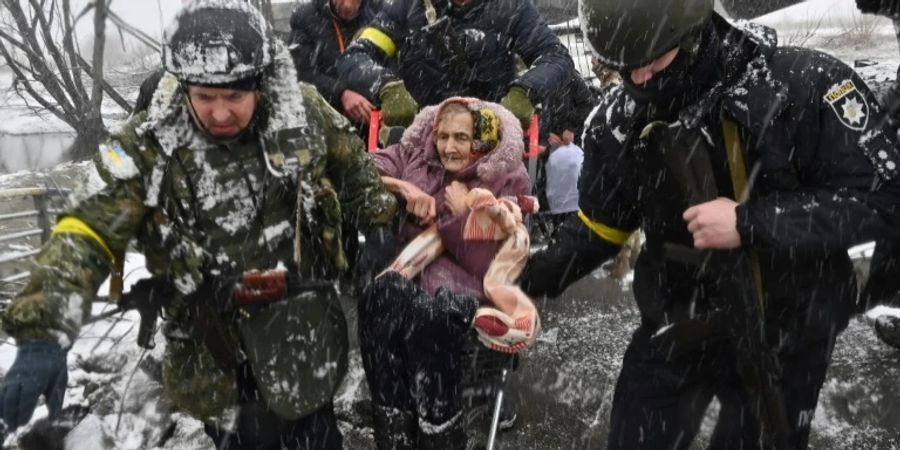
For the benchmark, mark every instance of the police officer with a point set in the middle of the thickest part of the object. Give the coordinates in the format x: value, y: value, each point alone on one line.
x: 446, y: 48
x: 750, y: 169
x: 234, y: 168
x: 883, y: 285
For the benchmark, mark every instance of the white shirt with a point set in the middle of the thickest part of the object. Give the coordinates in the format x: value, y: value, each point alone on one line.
x: 563, y: 168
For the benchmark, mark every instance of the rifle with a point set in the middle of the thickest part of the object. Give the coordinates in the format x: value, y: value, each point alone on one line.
x: 742, y: 316
x: 227, y: 295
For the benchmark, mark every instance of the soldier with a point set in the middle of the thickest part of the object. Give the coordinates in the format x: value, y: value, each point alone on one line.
x: 751, y: 169
x: 454, y: 47
x: 320, y: 33
x: 235, y: 167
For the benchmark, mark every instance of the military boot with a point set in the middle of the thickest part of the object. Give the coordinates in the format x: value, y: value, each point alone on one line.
x: 395, y: 429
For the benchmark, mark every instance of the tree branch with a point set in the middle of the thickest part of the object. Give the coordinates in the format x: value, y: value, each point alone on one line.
x: 40, y: 70
x: 54, y: 51
x: 17, y: 71
x: 108, y: 88
x: 69, y: 45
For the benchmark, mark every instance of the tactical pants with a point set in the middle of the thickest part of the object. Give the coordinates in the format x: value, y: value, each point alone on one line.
x: 412, y: 346
x: 660, y: 403
x: 258, y: 428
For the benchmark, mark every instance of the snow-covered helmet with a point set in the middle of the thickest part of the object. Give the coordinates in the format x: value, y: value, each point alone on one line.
x: 217, y: 42
x: 627, y: 34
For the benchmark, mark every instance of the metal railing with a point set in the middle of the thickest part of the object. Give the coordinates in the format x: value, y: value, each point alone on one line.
x: 42, y: 215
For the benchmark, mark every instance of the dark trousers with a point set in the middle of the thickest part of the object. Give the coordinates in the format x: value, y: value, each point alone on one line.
x: 258, y: 428
x: 412, y: 346
x: 660, y: 403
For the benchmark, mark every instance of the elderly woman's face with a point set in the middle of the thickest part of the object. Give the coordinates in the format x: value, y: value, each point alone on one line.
x: 454, y: 141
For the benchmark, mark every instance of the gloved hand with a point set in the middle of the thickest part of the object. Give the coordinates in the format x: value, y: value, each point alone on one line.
x: 518, y: 103
x: 39, y: 368
x: 398, y: 108
x: 376, y: 254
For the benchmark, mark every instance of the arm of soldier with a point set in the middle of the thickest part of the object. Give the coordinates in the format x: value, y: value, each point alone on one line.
x: 540, y: 49
x: 365, y: 202
x: 851, y: 185
x: 608, y: 215
x: 78, y: 257
x: 303, y: 51
x: 364, y: 65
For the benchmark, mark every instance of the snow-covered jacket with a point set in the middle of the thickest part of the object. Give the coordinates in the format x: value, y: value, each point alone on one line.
x: 319, y: 37
x: 414, y: 159
x: 468, y: 51
x: 199, y: 209
x: 823, y: 174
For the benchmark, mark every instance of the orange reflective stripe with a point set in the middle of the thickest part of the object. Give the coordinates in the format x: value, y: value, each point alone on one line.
x: 340, y: 35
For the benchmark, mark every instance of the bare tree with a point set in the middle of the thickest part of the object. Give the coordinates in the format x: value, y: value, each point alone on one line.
x: 37, y: 42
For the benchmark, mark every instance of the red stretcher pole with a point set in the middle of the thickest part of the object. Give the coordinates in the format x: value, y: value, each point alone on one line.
x: 533, y: 148
x: 374, y: 128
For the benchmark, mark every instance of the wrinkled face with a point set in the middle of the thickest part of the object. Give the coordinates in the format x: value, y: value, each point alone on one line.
x: 454, y: 141
x: 646, y: 73
x: 224, y: 113
x: 346, y: 9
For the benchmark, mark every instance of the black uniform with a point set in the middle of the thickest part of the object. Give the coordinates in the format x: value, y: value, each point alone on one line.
x: 824, y: 177
x: 567, y: 108
x: 469, y: 51
x: 319, y: 37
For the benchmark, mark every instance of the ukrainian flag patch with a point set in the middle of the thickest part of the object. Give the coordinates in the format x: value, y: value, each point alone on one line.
x: 117, y: 162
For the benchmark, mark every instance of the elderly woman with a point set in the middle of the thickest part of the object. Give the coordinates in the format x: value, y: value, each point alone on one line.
x: 459, y: 170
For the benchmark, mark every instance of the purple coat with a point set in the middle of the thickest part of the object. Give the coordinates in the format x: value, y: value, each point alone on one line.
x: 414, y: 159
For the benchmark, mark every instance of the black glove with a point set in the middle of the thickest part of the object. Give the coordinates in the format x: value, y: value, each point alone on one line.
x: 889, y: 8
x: 39, y: 369
x: 377, y: 252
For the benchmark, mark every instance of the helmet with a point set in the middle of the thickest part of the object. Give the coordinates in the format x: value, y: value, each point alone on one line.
x: 627, y: 34
x: 217, y: 42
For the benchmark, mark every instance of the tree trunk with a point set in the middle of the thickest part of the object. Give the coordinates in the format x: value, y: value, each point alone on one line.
x: 88, y: 140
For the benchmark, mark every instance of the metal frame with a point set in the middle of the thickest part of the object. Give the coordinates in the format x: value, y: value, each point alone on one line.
x: 42, y: 213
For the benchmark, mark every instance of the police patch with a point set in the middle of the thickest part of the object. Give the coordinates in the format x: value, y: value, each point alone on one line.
x: 849, y: 105
x: 117, y: 162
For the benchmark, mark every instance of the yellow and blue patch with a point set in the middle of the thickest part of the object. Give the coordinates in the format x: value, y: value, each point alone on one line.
x: 117, y: 162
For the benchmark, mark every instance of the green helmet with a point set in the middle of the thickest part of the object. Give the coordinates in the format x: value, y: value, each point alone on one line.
x: 217, y: 42
x: 627, y: 34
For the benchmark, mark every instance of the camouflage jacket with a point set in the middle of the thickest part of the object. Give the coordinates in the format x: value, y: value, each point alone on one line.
x: 195, y: 207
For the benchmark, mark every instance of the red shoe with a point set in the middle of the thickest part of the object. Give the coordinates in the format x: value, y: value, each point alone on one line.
x: 502, y: 333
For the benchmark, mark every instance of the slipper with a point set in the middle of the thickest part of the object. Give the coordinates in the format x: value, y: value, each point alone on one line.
x: 502, y: 333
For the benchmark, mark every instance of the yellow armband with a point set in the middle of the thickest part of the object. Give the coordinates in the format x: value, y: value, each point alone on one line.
x: 607, y: 233
x: 380, y: 39
x: 74, y: 225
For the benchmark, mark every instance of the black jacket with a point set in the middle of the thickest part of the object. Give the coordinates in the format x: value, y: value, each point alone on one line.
x: 824, y: 176
x: 318, y: 37
x: 467, y: 51
x: 567, y: 108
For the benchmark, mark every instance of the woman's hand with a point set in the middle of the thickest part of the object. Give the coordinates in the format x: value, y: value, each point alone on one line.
x: 420, y: 204
x: 455, y: 198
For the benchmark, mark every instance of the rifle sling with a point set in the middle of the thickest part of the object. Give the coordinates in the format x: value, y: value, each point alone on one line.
x: 738, y: 170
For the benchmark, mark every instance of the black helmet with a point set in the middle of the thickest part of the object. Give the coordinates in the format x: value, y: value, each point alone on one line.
x: 627, y: 34
x: 217, y: 42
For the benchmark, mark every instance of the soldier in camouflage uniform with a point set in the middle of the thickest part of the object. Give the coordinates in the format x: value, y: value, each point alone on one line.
x: 234, y: 167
